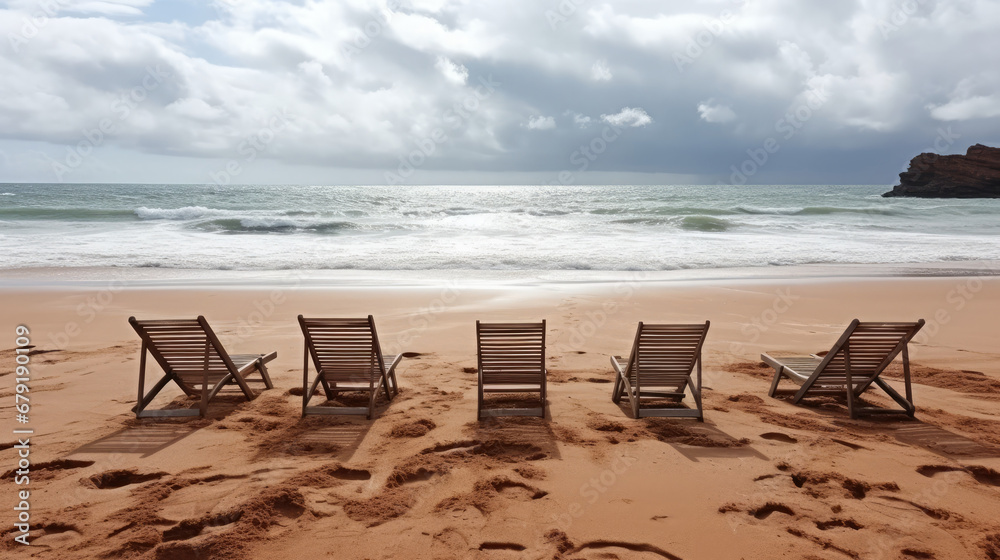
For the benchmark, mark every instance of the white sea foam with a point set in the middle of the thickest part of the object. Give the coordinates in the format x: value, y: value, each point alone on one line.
x: 184, y: 213
x: 488, y: 228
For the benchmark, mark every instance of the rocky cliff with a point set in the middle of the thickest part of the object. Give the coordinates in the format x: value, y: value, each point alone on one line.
x: 974, y: 175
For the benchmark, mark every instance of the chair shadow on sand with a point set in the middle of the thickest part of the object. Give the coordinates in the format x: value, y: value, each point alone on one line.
x: 929, y: 437
x: 146, y: 438
x: 333, y: 437
x: 725, y: 446
x: 152, y: 435
x: 696, y: 452
x: 517, y: 437
x: 940, y: 441
x: 910, y: 431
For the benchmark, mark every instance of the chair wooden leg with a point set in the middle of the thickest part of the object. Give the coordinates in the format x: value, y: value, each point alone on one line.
x: 395, y: 384
x: 385, y: 388
x: 203, y: 408
x: 905, y: 403
x: 152, y: 394
x: 635, y: 398
x: 247, y: 391
x: 264, y: 375
x: 778, y: 373
x: 616, y: 392
x: 142, y: 380
x: 697, y: 394
x: 850, y: 382
x: 306, y: 393
x: 479, y: 402
x: 544, y: 396
x: 906, y: 375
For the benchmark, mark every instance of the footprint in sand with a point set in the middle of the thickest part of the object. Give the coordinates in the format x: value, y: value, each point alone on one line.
x: 190, y: 528
x: 835, y: 523
x: 983, y: 475
x: 119, y: 478
x: 931, y: 470
x: 463, y: 446
x: 213, y: 535
x: 934, y: 513
x: 517, y: 490
x: 503, y: 451
x: 56, y: 535
x: 921, y: 554
x: 416, y: 428
x: 449, y: 539
x: 400, y: 478
x: 48, y: 469
x: 765, y: 511
x: 778, y: 436
x: 853, y: 446
x: 492, y: 545
x: 345, y: 473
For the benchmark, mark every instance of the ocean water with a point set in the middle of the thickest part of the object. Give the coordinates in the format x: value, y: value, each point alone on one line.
x: 484, y: 227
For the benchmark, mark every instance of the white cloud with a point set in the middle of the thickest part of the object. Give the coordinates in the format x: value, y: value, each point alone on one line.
x: 644, y: 30
x: 453, y: 72
x: 313, y: 72
x: 715, y: 113
x: 978, y: 107
x: 196, y: 109
x: 475, y: 37
x: 628, y: 116
x: 106, y: 7
x: 541, y: 123
x: 972, y: 98
x: 600, y: 72
x: 583, y: 121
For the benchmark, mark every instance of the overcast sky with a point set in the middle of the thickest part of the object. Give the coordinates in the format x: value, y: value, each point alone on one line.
x: 492, y: 92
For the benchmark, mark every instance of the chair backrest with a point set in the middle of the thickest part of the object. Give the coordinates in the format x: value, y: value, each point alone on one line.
x: 870, y: 346
x: 664, y: 355
x: 511, y: 353
x: 344, y: 349
x: 186, y: 348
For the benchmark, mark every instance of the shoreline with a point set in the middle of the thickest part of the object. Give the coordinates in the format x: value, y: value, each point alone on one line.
x: 13, y: 279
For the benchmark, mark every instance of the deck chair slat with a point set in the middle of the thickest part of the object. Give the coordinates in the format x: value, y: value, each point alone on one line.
x: 190, y: 355
x: 511, y: 358
x: 855, y: 361
x: 347, y: 357
x: 663, y: 362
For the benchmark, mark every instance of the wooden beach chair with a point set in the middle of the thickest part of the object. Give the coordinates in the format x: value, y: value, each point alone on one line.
x: 192, y: 357
x: 511, y: 360
x: 855, y: 362
x: 347, y: 357
x: 665, y: 360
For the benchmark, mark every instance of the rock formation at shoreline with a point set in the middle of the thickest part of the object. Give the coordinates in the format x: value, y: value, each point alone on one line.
x: 974, y: 175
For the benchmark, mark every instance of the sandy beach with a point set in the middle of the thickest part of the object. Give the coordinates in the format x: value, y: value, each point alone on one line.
x: 195, y: 192
x: 760, y: 478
